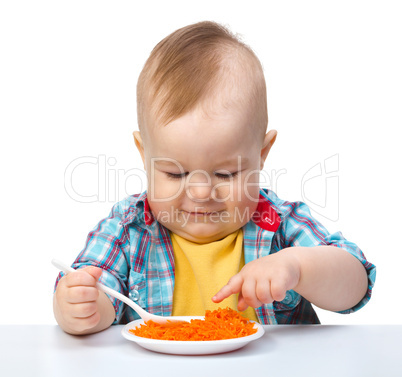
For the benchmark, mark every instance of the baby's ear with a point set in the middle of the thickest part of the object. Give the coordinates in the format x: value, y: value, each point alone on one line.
x: 140, y: 145
x: 269, y: 141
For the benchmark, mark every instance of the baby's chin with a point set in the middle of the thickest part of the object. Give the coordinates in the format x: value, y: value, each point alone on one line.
x: 201, y: 232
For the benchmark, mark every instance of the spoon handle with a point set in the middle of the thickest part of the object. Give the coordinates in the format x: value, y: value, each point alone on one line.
x: 141, y: 312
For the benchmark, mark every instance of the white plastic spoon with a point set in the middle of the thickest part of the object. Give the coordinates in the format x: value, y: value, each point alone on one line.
x: 141, y: 312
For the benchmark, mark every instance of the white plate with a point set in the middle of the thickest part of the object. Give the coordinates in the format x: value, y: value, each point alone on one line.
x: 178, y: 347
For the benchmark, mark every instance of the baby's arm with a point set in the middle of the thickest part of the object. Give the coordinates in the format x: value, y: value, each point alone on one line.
x: 79, y: 308
x: 327, y: 276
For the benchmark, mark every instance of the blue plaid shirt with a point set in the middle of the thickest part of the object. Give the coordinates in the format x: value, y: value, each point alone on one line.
x: 136, y: 255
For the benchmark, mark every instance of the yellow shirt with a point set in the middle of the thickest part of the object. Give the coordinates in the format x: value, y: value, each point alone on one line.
x: 201, y: 270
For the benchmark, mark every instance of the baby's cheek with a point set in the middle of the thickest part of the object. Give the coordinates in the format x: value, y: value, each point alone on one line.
x: 250, y: 190
x: 165, y: 191
x: 247, y: 201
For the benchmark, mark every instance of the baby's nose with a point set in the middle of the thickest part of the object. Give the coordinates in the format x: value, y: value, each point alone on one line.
x: 199, y: 187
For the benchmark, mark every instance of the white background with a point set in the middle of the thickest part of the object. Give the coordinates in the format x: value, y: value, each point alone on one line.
x: 68, y: 74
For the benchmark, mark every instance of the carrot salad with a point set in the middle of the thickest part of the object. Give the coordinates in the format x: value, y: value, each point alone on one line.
x: 218, y: 325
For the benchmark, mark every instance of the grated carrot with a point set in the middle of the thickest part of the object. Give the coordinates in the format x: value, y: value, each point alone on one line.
x: 218, y: 325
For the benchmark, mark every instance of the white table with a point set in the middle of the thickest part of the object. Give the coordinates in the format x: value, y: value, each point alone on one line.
x: 323, y: 351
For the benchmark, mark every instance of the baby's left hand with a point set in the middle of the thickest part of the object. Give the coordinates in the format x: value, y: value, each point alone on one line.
x: 263, y: 280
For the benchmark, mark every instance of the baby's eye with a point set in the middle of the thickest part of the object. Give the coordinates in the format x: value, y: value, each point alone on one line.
x: 226, y: 176
x: 175, y: 176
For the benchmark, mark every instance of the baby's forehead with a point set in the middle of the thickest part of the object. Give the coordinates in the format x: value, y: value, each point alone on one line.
x: 221, y: 114
x: 226, y: 132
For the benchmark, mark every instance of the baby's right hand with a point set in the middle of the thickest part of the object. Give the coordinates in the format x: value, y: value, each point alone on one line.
x: 75, y: 302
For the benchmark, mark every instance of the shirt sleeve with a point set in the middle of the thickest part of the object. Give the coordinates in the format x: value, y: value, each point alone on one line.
x: 299, y: 228
x: 106, y: 248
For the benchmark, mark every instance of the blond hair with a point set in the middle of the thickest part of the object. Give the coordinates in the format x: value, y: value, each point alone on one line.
x: 189, y: 65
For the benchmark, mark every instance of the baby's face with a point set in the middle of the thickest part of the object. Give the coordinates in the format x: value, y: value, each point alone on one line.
x: 203, y: 173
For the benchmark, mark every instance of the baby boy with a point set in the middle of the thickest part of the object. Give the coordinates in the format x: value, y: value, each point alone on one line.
x: 205, y: 234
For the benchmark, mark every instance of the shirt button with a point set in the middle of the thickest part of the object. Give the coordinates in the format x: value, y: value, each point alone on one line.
x: 287, y: 299
x: 134, y: 294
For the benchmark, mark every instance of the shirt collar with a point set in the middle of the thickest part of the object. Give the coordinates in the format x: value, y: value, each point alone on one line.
x: 139, y: 211
x: 266, y: 215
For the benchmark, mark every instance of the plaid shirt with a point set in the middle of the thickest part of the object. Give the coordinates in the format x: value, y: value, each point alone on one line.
x: 136, y: 255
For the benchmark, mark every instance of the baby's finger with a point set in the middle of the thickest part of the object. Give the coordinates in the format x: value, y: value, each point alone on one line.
x: 241, y: 303
x: 82, y: 324
x: 83, y: 310
x: 248, y: 292
x: 81, y: 294
x: 233, y: 286
x: 263, y: 291
x: 83, y: 277
x: 278, y: 289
